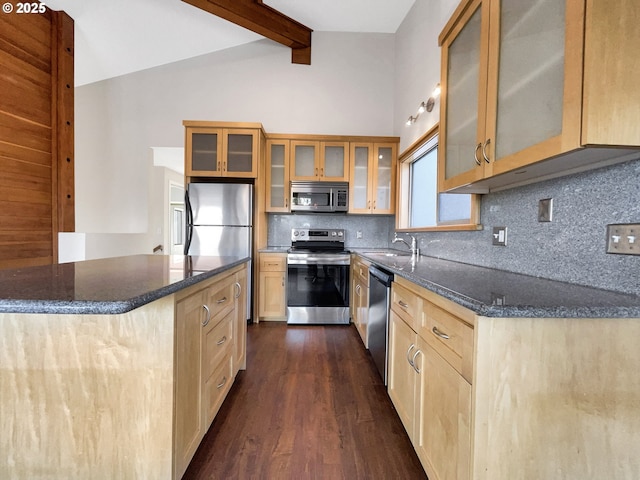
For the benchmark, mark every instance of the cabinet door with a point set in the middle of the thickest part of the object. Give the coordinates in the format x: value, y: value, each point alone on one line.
x: 462, y: 109
x: 443, y: 438
x: 305, y: 160
x: 361, y: 163
x: 401, y: 375
x: 278, y: 190
x: 525, y: 94
x: 240, y: 324
x: 334, y: 161
x: 188, y: 412
x: 272, y: 300
x: 240, y: 153
x: 203, y: 154
x: 383, y: 179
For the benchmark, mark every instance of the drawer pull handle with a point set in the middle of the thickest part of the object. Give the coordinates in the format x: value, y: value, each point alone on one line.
x: 222, y: 384
x: 358, y: 290
x: 411, y: 347
x: 403, y: 304
x: 208, y: 319
x: 222, y: 340
x: 239, y: 291
x: 413, y: 361
x: 439, y: 333
x: 222, y: 300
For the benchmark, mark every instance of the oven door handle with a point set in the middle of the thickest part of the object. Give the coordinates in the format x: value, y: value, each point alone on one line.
x: 317, y: 261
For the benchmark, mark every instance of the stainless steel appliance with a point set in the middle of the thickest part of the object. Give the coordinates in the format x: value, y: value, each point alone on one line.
x: 319, y: 196
x: 219, y: 221
x: 317, y: 277
x: 378, y: 328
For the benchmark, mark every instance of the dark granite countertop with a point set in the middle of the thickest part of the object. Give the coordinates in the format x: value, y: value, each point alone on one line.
x: 497, y: 293
x: 104, y: 286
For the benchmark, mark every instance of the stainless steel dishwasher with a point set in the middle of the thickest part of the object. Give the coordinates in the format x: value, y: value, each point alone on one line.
x: 378, y: 327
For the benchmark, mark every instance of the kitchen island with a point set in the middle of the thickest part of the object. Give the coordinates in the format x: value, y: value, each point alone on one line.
x: 499, y: 375
x: 107, y: 366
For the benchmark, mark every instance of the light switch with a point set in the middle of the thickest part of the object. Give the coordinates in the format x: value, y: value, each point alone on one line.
x: 500, y: 236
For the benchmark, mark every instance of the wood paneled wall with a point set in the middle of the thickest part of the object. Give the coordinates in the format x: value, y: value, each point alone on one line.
x: 36, y: 136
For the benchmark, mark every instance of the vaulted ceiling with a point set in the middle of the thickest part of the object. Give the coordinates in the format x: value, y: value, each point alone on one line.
x: 117, y: 37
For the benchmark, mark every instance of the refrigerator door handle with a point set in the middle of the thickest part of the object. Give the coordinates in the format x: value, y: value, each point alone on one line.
x: 189, y: 223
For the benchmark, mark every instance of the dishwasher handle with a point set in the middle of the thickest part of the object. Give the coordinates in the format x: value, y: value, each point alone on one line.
x: 381, y: 275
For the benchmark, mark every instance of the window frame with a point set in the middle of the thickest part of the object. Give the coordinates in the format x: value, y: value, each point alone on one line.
x: 403, y: 192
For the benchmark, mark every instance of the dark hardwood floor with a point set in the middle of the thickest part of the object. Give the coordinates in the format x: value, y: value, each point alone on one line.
x: 310, y: 405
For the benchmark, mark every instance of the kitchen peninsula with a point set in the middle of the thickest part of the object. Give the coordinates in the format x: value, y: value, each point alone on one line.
x: 115, y: 368
x: 498, y: 375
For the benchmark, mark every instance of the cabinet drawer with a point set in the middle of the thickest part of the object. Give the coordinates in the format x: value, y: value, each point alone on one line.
x: 405, y: 304
x: 217, y: 343
x: 273, y: 263
x: 448, y: 336
x: 219, y: 298
x: 362, y: 272
x: 216, y: 388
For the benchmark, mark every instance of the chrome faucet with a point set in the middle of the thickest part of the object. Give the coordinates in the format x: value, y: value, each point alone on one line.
x: 415, y: 251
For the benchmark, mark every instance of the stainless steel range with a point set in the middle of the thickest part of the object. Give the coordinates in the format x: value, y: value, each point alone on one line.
x: 318, y: 277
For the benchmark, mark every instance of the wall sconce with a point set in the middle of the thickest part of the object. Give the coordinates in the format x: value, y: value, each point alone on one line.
x: 425, y: 106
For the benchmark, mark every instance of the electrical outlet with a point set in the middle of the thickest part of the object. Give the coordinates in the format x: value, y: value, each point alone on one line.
x: 500, y: 236
x: 545, y: 210
x: 623, y: 239
x: 359, y: 234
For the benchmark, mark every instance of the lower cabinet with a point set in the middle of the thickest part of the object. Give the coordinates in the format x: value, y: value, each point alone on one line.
x: 429, y: 350
x: 210, y: 336
x: 272, y: 301
x: 360, y: 297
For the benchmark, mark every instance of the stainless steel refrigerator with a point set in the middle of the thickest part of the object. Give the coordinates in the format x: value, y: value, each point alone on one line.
x: 219, y: 221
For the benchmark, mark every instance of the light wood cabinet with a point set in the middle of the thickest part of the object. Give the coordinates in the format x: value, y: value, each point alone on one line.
x: 215, y: 149
x: 313, y: 160
x: 372, y: 174
x: 529, y: 86
x: 207, y: 322
x: 278, y: 188
x: 240, y: 325
x: 360, y: 297
x: 430, y: 354
x: 272, y: 286
x: 189, y: 425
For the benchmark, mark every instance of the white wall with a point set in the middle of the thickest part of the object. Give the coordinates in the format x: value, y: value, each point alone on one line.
x: 348, y: 89
x: 417, y: 67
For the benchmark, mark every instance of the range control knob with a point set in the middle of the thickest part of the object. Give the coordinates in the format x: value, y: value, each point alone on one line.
x: 296, y: 233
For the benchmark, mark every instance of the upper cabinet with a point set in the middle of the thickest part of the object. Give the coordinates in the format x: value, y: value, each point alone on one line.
x: 215, y: 149
x: 372, y: 185
x: 319, y: 161
x: 367, y: 163
x: 277, y: 175
x: 519, y: 102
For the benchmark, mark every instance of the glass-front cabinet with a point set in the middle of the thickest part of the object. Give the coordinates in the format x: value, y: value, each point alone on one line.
x: 215, y: 149
x: 372, y: 185
x: 277, y: 175
x: 513, y: 78
x: 319, y: 161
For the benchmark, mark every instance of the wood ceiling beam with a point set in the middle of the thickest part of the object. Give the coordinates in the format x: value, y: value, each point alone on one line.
x: 263, y: 20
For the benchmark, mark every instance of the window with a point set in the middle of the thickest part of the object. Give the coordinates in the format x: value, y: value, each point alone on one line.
x: 421, y: 207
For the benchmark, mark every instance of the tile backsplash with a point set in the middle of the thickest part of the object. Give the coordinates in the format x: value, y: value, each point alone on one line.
x: 571, y: 248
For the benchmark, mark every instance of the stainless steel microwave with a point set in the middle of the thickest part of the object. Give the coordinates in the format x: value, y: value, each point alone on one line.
x: 319, y: 196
